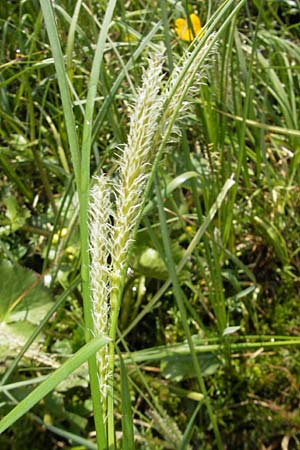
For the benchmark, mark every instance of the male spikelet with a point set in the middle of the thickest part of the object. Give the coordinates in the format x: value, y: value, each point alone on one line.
x: 100, y: 214
x: 135, y: 165
x: 109, y: 242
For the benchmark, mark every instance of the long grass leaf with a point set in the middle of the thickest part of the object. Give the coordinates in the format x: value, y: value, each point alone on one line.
x: 127, y: 423
x: 189, y: 430
x: 63, y: 85
x: 52, y: 381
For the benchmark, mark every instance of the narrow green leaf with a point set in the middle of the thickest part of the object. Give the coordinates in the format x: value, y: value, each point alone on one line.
x: 71, y: 35
x: 70, y: 436
x: 52, y: 381
x: 63, y: 85
x: 189, y: 429
x: 127, y: 424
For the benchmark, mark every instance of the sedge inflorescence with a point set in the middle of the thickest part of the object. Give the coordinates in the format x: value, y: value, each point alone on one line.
x: 115, y: 208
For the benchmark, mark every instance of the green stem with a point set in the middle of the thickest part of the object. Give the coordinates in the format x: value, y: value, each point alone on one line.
x: 115, y: 302
x: 84, y: 235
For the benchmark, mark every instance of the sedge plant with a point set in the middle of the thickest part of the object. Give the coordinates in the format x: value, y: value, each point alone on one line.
x: 115, y: 209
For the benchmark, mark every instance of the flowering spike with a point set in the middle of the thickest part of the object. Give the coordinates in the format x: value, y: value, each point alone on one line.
x: 99, y: 215
x: 135, y: 160
x: 112, y: 228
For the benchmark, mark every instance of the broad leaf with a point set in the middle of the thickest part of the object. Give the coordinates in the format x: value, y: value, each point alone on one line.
x: 178, y: 367
x: 22, y: 296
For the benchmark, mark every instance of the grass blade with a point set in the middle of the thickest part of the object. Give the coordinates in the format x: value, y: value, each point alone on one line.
x: 52, y: 381
x: 189, y: 429
x: 63, y: 85
x: 127, y: 423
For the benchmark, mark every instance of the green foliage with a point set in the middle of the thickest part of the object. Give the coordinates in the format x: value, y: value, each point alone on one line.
x: 24, y: 302
x: 177, y: 368
x: 216, y: 266
x: 22, y: 296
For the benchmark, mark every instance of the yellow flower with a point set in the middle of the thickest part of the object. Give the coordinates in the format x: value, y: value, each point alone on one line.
x: 183, y: 30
